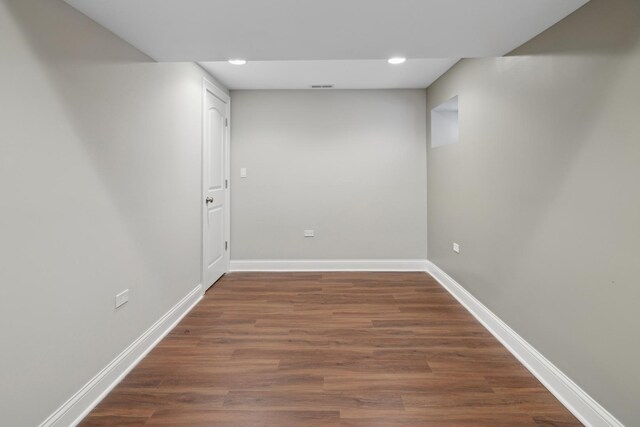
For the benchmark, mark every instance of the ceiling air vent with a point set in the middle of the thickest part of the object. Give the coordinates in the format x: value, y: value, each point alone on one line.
x: 321, y: 86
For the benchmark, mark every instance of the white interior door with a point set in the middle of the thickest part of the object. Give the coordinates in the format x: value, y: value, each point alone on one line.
x: 215, y: 198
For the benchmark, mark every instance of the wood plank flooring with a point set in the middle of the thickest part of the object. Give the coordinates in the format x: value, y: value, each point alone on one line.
x: 329, y: 349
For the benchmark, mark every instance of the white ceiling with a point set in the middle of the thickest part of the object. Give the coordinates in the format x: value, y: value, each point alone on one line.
x: 312, y: 30
x: 358, y: 74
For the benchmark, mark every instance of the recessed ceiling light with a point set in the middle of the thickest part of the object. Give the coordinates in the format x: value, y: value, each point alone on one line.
x: 397, y: 60
x: 237, y: 61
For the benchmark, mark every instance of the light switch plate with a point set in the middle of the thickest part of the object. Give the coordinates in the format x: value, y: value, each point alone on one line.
x: 309, y: 233
x: 456, y: 248
x: 122, y: 298
x: 243, y: 172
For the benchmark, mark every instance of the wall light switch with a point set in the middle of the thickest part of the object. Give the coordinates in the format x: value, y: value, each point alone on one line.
x: 456, y: 248
x: 122, y: 298
x: 309, y: 233
x: 243, y: 172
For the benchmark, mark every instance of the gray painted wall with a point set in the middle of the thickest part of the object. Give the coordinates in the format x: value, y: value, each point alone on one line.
x: 543, y: 195
x: 100, y: 182
x: 349, y: 164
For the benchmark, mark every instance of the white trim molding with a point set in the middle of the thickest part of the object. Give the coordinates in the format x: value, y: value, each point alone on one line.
x: 330, y: 265
x: 81, y: 403
x: 576, y: 400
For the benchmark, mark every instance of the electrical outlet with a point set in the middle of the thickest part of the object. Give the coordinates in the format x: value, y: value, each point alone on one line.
x: 309, y: 233
x: 456, y: 248
x: 122, y: 298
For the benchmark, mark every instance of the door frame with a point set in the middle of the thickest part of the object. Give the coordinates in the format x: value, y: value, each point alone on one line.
x: 209, y: 86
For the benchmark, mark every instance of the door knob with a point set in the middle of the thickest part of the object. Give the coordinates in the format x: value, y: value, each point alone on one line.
x: 209, y: 200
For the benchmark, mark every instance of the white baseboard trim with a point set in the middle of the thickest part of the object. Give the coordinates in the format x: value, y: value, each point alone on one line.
x: 583, y: 406
x: 81, y: 403
x: 330, y: 265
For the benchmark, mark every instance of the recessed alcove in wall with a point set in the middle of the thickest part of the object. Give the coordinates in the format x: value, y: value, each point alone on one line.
x: 444, y: 123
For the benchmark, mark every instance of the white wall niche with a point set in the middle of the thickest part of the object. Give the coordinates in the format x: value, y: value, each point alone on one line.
x: 444, y: 123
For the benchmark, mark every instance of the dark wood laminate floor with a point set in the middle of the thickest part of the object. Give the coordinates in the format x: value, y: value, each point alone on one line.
x: 329, y: 349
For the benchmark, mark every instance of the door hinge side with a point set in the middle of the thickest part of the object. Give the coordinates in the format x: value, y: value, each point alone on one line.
x: 226, y: 245
x: 226, y: 183
x: 226, y: 122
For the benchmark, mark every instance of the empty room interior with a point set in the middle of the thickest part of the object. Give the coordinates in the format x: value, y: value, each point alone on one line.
x: 361, y: 213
